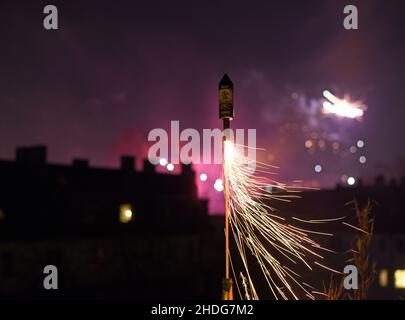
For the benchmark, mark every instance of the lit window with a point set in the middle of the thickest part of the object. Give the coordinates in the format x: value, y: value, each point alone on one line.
x: 383, y: 278
x: 126, y: 213
x: 399, y: 279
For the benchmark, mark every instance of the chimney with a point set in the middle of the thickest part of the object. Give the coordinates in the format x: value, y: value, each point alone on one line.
x: 188, y: 174
x: 187, y: 171
x: 148, y: 167
x: 22, y: 155
x: 31, y: 155
x: 80, y: 163
x: 393, y: 183
x: 186, y: 168
x: 380, y: 181
x: 127, y: 163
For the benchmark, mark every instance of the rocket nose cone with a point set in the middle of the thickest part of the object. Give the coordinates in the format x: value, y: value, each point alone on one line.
x: 225, y: 80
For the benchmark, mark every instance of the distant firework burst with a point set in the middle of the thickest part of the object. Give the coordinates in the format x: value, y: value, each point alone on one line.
x: 277, y: 246
x: 342, y: 107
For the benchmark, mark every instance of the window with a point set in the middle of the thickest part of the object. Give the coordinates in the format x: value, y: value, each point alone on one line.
x: 383, y: 278
x: 2, y: 215
x: 399, y: 279
x: 126, y: 213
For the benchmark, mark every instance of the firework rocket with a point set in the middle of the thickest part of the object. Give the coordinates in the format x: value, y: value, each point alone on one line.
x: 225, y: 92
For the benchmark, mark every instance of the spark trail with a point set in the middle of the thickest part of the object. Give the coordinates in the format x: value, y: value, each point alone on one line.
x: 276, y: 245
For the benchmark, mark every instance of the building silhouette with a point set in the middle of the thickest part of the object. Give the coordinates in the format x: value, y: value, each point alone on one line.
x: 388, y: 243
x: 110, y: 232
x: 42, y: 198
x: 124, y: 233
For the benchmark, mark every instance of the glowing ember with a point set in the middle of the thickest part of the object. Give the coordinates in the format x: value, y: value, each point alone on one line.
x: 351, y: 181
x: 360, y: 143
x: 219, y: 185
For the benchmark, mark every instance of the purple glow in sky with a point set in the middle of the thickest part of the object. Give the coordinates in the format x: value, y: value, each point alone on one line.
x: 114, y: 71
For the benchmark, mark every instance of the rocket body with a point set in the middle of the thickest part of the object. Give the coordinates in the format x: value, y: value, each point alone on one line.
x: 225, y: 92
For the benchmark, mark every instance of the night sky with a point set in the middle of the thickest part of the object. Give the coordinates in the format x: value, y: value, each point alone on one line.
x: 117, y: 69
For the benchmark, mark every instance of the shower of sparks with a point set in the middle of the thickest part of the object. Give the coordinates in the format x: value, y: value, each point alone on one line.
x: 342, y: 107
x: 275, y: 244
